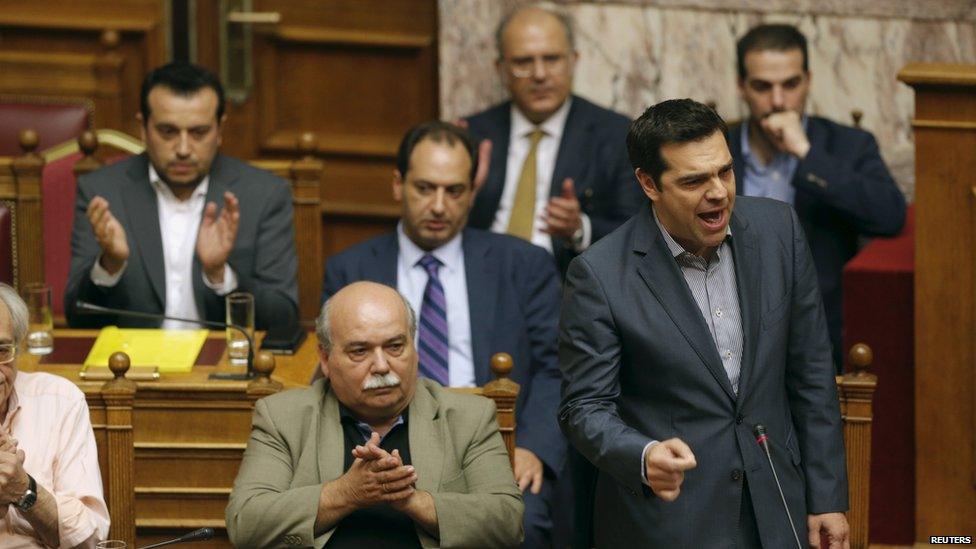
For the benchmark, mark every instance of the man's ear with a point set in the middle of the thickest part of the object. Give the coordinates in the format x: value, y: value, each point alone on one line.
x: 142, y: 126
x: 397, y: 186
x: 647, y: 184
x: 324, y: 361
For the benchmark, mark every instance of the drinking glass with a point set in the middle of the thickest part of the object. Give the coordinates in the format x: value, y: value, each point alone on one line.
x: 111, y: 544
x: 40, y: 330
x: 240, y: 311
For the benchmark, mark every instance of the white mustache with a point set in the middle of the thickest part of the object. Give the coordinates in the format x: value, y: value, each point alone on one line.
x: 381, y: 381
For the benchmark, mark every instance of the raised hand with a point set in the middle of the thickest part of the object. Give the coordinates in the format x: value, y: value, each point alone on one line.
x: 13, y: 478
x: 109, y: 234
x: 665, y: 464
x: 785, y: 131
x: 562, y: 215
x: 484, y: 157
x: 216, y: 237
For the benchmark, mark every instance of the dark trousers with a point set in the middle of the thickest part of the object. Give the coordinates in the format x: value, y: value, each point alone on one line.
x: 748, y: 534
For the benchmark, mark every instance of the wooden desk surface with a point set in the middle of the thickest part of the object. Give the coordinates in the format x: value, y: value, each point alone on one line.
x: 71, y: 348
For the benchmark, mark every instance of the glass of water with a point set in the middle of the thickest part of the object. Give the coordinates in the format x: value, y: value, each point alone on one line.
x: 111, y: 544
x: 240, y: 311
x: 40, y: 331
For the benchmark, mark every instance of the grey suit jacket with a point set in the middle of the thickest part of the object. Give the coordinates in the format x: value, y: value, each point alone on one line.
x: 297, y: 445
x: 640, y: 364
x: 263, y: 256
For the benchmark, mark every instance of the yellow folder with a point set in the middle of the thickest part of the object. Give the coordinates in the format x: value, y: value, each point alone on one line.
x: 172, y: 351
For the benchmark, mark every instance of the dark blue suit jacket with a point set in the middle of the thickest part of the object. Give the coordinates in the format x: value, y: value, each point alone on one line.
x: 640, y: 364
x: 593, y: 152
x: 513, y: 294
x: 843, y: 191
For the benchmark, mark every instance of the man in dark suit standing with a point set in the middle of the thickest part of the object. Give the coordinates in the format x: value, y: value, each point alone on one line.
x: 683, y: 330
x: 558, y: 175
x: 175, y: 229
x: 477, y: 294
x: 832, y: 174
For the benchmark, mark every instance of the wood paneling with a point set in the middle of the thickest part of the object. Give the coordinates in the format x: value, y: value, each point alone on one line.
x: 945, y: 297
x: 357, y: 74
x: 91, y: 50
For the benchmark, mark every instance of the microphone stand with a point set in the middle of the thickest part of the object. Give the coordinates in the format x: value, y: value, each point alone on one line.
x: 90, y: 308
x: 201, y: 534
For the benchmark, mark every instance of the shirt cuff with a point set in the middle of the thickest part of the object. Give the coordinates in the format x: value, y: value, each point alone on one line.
x: 229, y: 284
x: 101, y: 277
x: 643, y: 461
x: 584, y: 236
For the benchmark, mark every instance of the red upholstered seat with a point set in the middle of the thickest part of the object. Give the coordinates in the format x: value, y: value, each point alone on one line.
x: 54, y: 123
x: 6, y: 251
x: 58, y: 186
x: 58, y: 195
x: 879, y: 310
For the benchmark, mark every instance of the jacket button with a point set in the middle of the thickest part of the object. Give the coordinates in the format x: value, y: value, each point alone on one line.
x: 736, y: 475
x: 738, y: 419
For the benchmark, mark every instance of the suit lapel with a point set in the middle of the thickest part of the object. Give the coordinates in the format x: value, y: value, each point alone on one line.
x: 481, y: 276
x: 426, y: 439
x: 490, y: 195
x: 569, y: 161
x: 143, y: 210
x: 331, y: 442
x: 748, y: 268
x: 661, y: 274
x: 383, y: 267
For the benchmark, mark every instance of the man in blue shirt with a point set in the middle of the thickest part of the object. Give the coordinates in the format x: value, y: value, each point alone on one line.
x: 832, y: 174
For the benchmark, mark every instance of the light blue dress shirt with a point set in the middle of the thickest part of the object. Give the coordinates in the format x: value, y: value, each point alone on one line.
x: 774, y: 180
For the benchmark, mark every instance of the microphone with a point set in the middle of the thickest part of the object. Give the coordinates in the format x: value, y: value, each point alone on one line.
x: 763, y: 440
x: 87, y: 308
x: 201, y: 534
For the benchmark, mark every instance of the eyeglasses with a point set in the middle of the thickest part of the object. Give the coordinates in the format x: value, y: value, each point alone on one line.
x: 8, y: 352
x: 524, y: 67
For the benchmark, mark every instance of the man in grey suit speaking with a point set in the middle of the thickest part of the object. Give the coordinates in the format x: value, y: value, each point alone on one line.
x: 683, y: 330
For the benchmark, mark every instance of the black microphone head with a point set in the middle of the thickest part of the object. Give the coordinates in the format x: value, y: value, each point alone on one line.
x: 759, y: 430
x: 201, y: 534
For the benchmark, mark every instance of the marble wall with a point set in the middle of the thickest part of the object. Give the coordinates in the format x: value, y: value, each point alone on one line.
x: 634, y: 53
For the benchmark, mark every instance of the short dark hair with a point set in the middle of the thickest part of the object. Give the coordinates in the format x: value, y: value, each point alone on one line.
x: 183, y: 79
x: 672, y: 121
x: 439, y: 132
x: 770, y: 37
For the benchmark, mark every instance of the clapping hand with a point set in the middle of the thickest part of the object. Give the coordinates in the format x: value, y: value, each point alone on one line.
x: 216, y: 237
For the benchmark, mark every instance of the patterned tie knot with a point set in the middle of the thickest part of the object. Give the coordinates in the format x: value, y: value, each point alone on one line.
x: 431, y: 264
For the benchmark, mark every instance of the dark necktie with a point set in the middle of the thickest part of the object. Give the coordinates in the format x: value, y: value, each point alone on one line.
x: 433, y: 335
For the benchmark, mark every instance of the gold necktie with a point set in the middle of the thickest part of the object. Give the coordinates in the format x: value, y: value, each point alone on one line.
x: 523, y: 206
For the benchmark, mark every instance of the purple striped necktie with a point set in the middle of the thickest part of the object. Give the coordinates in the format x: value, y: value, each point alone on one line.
x: 433, y: 335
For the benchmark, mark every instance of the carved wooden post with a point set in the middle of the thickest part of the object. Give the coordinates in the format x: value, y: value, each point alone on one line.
x: 263, y: 385
x: 306, y: 175
x: 108, y: 90
x: 88, y: 144
x: 856, y: 393
x: 28, y: 223
x: 118, y: 395
x: 504, y: 392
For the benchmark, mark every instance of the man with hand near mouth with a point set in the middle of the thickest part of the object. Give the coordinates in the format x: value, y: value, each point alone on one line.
x: 477, y: 294
x: 175, y: 229
x: 558, y: 174
x: 832, y: 174
x: 681, y: 331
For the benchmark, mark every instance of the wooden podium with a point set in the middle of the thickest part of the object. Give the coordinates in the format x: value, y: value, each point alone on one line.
x: 945, y: 298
